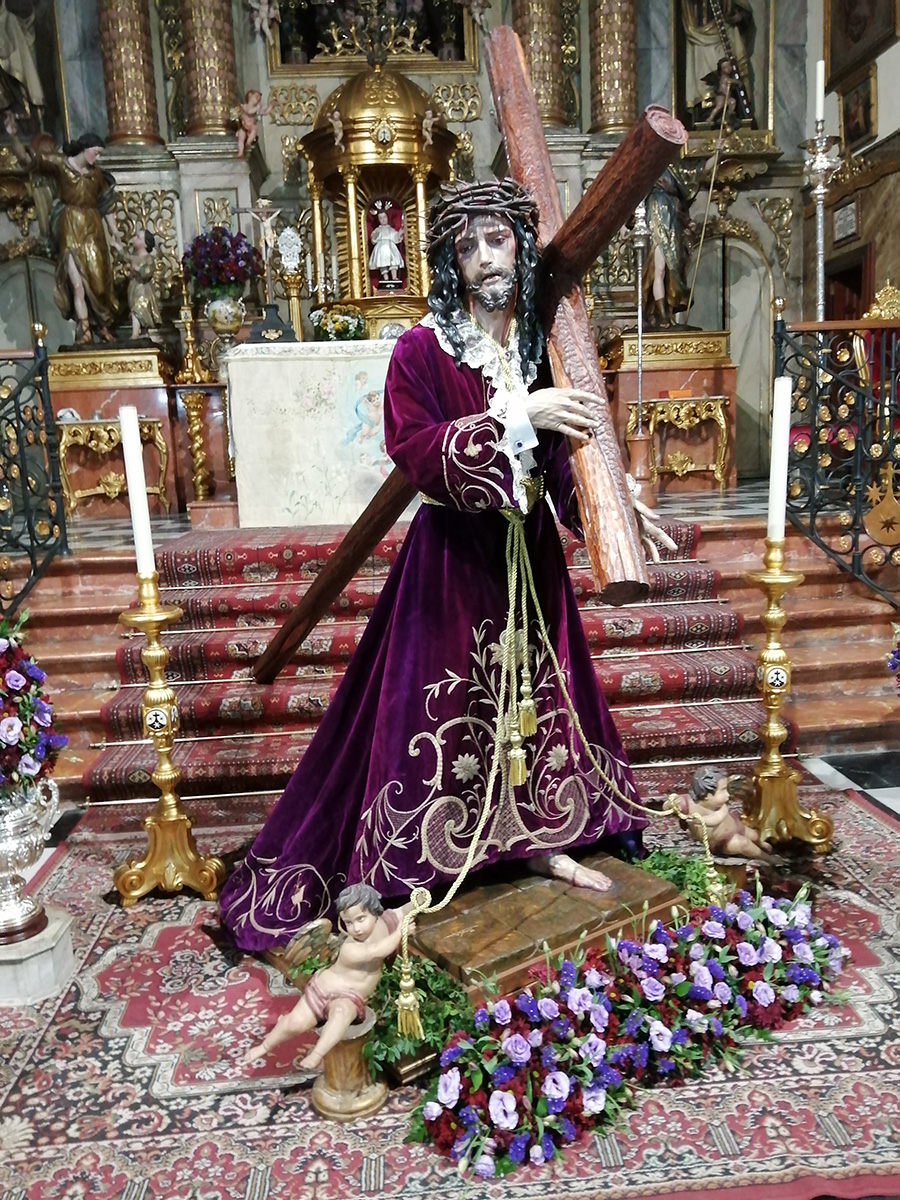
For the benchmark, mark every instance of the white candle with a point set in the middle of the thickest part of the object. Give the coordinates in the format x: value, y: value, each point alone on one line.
x: 309, y: 273
x: 778, y: 466
x: 137, y: 489
x: 820, y: 90
x: 334, y: 271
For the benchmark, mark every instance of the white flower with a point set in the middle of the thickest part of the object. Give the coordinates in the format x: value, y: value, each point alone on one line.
x: 557, y: 757
x: 466, y: 767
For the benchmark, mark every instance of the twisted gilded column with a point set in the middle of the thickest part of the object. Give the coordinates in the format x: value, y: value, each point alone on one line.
x: 613, y: 38
x: 128, y: 76
x: 209, y: 65
x: 540, y: 28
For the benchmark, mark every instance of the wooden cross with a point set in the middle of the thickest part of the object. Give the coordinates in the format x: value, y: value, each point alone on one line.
x: 569, y: 249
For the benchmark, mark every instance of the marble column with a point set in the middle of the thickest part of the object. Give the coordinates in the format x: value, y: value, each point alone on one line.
x: 613, y: 39
x: 128, y: 76
x: 540, y: 29
x: 209, y: 62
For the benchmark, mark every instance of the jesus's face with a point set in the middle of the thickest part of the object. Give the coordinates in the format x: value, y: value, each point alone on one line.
x: 486, y: 257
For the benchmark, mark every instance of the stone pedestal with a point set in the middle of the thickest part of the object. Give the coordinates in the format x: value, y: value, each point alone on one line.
x: 345, y: 1090
x: 237, y: 180
x: 40, y: 966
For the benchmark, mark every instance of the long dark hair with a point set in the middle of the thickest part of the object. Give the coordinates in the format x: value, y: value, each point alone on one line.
x: 85, y: 142
x: 450, y: 214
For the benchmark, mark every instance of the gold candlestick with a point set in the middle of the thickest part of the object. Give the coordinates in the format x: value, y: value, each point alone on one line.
x: 293, y: 282
x: 192, y: 369
x: 172, y: 861
x: 774, y: 809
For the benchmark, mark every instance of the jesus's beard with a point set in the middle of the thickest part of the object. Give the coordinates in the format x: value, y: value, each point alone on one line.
x: 495, y: 292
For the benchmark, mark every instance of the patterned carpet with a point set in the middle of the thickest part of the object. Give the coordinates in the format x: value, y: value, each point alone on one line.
x: 127, y: 1086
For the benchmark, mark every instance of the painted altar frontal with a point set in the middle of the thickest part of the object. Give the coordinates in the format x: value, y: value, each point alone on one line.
x: 307, y: 430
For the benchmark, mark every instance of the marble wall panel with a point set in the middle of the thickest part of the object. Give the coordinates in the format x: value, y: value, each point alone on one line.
x: 82, y: 68
x: 654, y: 53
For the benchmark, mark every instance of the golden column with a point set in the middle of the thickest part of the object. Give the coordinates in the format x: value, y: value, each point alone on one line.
x: 210, y: 70
x: 128, y: 77
x: 613, y: 38
x: 540, y: 29
x: 420, y: 176
x: 351, y: 178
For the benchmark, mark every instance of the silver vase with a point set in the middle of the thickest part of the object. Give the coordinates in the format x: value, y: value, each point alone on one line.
x: 26, y: 818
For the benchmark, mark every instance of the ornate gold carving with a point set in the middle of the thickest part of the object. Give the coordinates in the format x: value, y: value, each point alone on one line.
x: 102, y: 438
x: 684, y: 414
x: 291, y: 104
x: 613, y: 39
x: 458, y: 101
x: 614, y: 269
x: 153, y: 210
x: 291, y: 151
x: 127, y: 52
x: 886, y: 306
x: 16, y: 197
x: 377, y: 40
x: 776, y: 212
x: 86, y: 370
x: 216, y: 211
x: 732, y: 227
x: 171, y: 34
x: 662, y: 348
x: 571, y: 61
x: 210, y: 71
x: 195, y: 407
x: 540, y: 30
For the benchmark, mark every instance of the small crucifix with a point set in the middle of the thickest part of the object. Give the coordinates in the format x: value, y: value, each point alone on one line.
x: 265, y: 212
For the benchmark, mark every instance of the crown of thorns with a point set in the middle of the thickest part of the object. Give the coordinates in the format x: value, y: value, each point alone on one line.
x: 457, y: 203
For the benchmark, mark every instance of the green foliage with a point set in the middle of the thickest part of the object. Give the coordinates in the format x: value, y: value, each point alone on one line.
x: 444, y: 1007
x: 686, y: 871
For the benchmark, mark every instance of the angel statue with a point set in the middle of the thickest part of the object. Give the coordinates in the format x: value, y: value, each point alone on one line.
x: 263, y: 14
x: 336, y: 995
x: 707, y: 802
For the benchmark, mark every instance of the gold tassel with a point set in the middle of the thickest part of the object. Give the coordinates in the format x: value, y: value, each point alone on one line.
x: 518, y: 771
x: 527, y: 712
x: 409, y: 1023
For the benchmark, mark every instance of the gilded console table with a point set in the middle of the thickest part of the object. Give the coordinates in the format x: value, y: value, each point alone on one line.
x: 685, y: 413
x: 103, y: 438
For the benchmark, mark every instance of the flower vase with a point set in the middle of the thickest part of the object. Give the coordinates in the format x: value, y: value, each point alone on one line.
x: 225, y: 315
x: 26, y: 818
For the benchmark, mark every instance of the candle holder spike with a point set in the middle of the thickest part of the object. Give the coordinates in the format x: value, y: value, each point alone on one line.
x: 774, y: 809
x: 171, y: 861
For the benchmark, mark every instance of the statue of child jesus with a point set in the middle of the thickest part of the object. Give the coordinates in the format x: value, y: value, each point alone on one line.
x: 337, y: 995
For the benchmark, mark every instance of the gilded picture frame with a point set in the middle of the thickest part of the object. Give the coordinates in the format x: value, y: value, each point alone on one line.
x: 856, y: 32
x: 858, y: 108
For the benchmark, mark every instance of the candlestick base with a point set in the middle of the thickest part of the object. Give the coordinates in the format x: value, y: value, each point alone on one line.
x: 773, y: 809
x: 172, y: 861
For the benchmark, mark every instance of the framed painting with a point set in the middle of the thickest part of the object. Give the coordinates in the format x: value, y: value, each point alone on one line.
x: 856, y: 32
x: 845, y: 222
x: 859, y: 109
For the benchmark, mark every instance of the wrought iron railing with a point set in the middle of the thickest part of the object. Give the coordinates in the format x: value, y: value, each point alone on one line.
x: 32, y: 514
x: 844, y: 463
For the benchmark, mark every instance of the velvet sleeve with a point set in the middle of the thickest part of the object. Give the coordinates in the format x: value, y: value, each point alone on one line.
x: 456, y: 460
x: 561, y: 485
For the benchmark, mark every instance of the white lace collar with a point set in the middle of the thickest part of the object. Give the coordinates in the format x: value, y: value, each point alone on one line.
x: 481, y: 352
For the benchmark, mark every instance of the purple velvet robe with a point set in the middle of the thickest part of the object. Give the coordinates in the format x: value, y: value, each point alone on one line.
x: 391, y: 787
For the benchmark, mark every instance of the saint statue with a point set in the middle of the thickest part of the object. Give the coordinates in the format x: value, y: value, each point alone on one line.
x: 705, y: 52
x: 386, y: 256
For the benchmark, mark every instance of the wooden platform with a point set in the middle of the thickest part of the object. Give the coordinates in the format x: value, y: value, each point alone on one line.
x: 498, y: 929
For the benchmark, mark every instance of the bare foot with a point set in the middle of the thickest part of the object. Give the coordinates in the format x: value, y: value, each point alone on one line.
x: 312, y: 1061
x: 561, y: 866
x: 254, y: 1054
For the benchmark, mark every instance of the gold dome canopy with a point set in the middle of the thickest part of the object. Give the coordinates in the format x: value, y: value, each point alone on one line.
x: 379, y: 117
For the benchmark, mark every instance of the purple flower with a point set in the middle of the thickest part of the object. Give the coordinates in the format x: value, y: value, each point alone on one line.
x: 715, y: 968
x: 14, y: 681
x: 684, y: 932
x: 665, y: 1065
x: 535, y: 1038
x: 697, y: 952
x: 518, y: 1146
x: 731, y: 910
x: 741, y: 1005
x: 34, y: 672
x: 744, y: 921
x: 503, y: 1075
x: 567, y: 1129
x: 778, y: 918
x: 502, y: 1012
x: 579, y: 1000
x: 517, y: 1050
x: 697, y: 1022
x: 485, y: 1166
x: 548, y: 1057
x: 722, y: 993
x: 762, y: 993
x: 660, y: 1036
x: 432, y: 1110
x: 4, y: 645
x: 679, y: 1037
x: 502, y: 1107
x: 556, y: 1085
x: 481, y: 1018
x: 448, y: 1088
x: 609, y: 1075
x: 599, y: 1017
x: 596, y: 979
x: 633, y: 1022
x: 567, y: 973
x: 716, y: 1026
x: 536, y: 1154
x: 713, y: 929
x: 770, y: 951
x: 676, y: 977
x: 547, y: 1144
x: 561, y: 1027
x: 747, y: 955
x: 653, y: 989
x: 696, y: 992
x: 28, y: 765
x: 593, y: 1049
x: 555, y: 1107
x: 656, y: 951
x: 702, y: 976
x: 593, y: 1099
x: 451, y: 1053
x: 548, y: 1008
x: 790, y: 994
x: 802, y: 951
x: 10, y: 728
x: 528, y: 1005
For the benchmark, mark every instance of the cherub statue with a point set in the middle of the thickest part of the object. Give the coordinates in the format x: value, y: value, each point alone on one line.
x: 337, y: 994
x: 248, y: 114
x: 728, y: 836
x: 428, y: 121
x: 263, y: 13
x: 337, y: 126
x: 143, y: 297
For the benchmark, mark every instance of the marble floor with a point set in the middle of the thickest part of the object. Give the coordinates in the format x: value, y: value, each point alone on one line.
x: 876, y: 775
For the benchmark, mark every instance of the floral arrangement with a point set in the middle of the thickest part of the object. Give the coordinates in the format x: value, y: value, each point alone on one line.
x: 219, y: 262
x: 893, y: 661
x: 532, y: 1073
x: 28, y: 746
x: 339, y: 323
